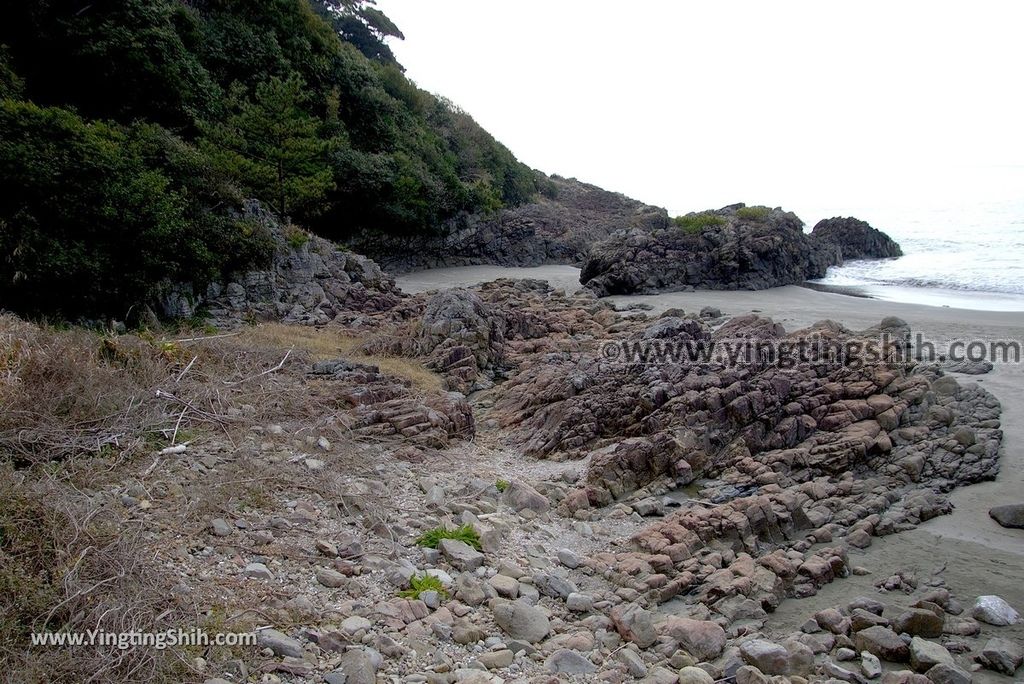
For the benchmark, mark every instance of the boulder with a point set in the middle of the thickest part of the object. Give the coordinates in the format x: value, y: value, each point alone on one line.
x: 947, y: 673
x: 925, y: 654
x: 766, y: 656
x: 882, y: 642
x: 994, y: 611
x: 635, y: 624
x: 919, y: 622
x: 564, y: 661
x: 704, y: 639
x: 522, y: 621
x: 1001, y: 655
x: 1010, y: 515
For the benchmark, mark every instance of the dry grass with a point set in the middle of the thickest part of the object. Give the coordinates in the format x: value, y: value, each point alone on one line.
x: 82, y: 413
x: 328, y: 343
x: 69, y: 564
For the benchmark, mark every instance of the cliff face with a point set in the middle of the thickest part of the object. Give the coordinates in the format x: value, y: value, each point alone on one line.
x: 556, y: 229
x: 856, y: 239
x: 734, y: 248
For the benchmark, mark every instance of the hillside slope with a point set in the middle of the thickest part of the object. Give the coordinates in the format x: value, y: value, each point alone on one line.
x: 131, y: 133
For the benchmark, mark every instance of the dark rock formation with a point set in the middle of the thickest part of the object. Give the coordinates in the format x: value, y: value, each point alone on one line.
x: 309, y: 280
x: 736, y: 249
x: 856, y: 239
x: 559, y: 229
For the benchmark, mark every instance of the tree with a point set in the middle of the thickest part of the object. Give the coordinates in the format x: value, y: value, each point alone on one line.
x: 271, y: 144
x: 360, y: 23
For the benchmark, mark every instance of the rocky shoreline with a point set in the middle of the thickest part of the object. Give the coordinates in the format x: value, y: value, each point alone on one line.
x: 589, y: 567
x: 475, y: 491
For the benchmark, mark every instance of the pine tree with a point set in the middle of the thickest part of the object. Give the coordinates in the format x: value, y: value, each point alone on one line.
x: 274, y: 146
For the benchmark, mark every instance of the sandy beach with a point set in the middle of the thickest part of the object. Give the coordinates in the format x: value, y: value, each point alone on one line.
x: 975, y: 555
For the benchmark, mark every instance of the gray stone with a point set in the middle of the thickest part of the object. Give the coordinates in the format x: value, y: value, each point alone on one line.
x: 554, y: 586
x: 569, y: 559
x: 1001, y: 655
x: 355, y: 623
x: 359, y: 667
x: 1011, y: 515
x: 257, y: 571
x: 944, y: 673
x: 331, y: 578
x: 522, y: 621
x: 635, y: 624
x: 926, y: 654
x: 568, y: 662
x: 580, y: 603
x: 460, y: 554
x: 695, y: 675
x: 766, y: 656
x: 505, y: 586
x: 431, y: 599
x: 281, y: 644
x: 870, y: 665
x: 633, y: 662
x: 995, y: 611
x: 521, y: 496
x: 494, y: 660
x: 840, y: 673
x: 882, y: 642
x: 220, y: 527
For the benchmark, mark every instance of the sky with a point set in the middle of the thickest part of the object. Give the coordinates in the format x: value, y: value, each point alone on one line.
x: 814, y: 106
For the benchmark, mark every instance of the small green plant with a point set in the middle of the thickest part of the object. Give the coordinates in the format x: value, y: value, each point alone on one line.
x: 696, y: 223
x: 465, y: 533
x: 502, y: 485
x: 296, y: 237
x: 753, y: 213
x: 421, y: 583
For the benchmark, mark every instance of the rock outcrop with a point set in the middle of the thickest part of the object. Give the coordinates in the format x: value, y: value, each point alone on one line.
x: 856, y: 239
x: 309, y: 281
x: 733, y: 248
x: 556, y: 229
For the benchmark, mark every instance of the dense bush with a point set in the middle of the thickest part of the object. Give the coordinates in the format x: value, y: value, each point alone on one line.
x: 131, y: 130
x: 93, y: 215
x: 696, y: 222
x: 753, y: 213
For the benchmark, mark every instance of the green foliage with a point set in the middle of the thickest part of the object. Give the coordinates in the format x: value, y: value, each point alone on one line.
x: 296, y: 237
x: 273, y: 145
x: 94, y: 215
x: 753, y: 213
x: 696, y: 223
x: 131, y: 131
x: 502, y: 485
x: 421, y: 583
x: 466, y: 533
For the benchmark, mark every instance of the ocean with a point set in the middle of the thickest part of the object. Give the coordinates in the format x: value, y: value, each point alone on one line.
x: 961, y: 255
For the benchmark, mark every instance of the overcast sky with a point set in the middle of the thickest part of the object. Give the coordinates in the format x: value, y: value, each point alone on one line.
x: 689, y: 105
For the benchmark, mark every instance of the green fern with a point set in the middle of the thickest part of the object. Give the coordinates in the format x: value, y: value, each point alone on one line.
x: 502, y: 485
